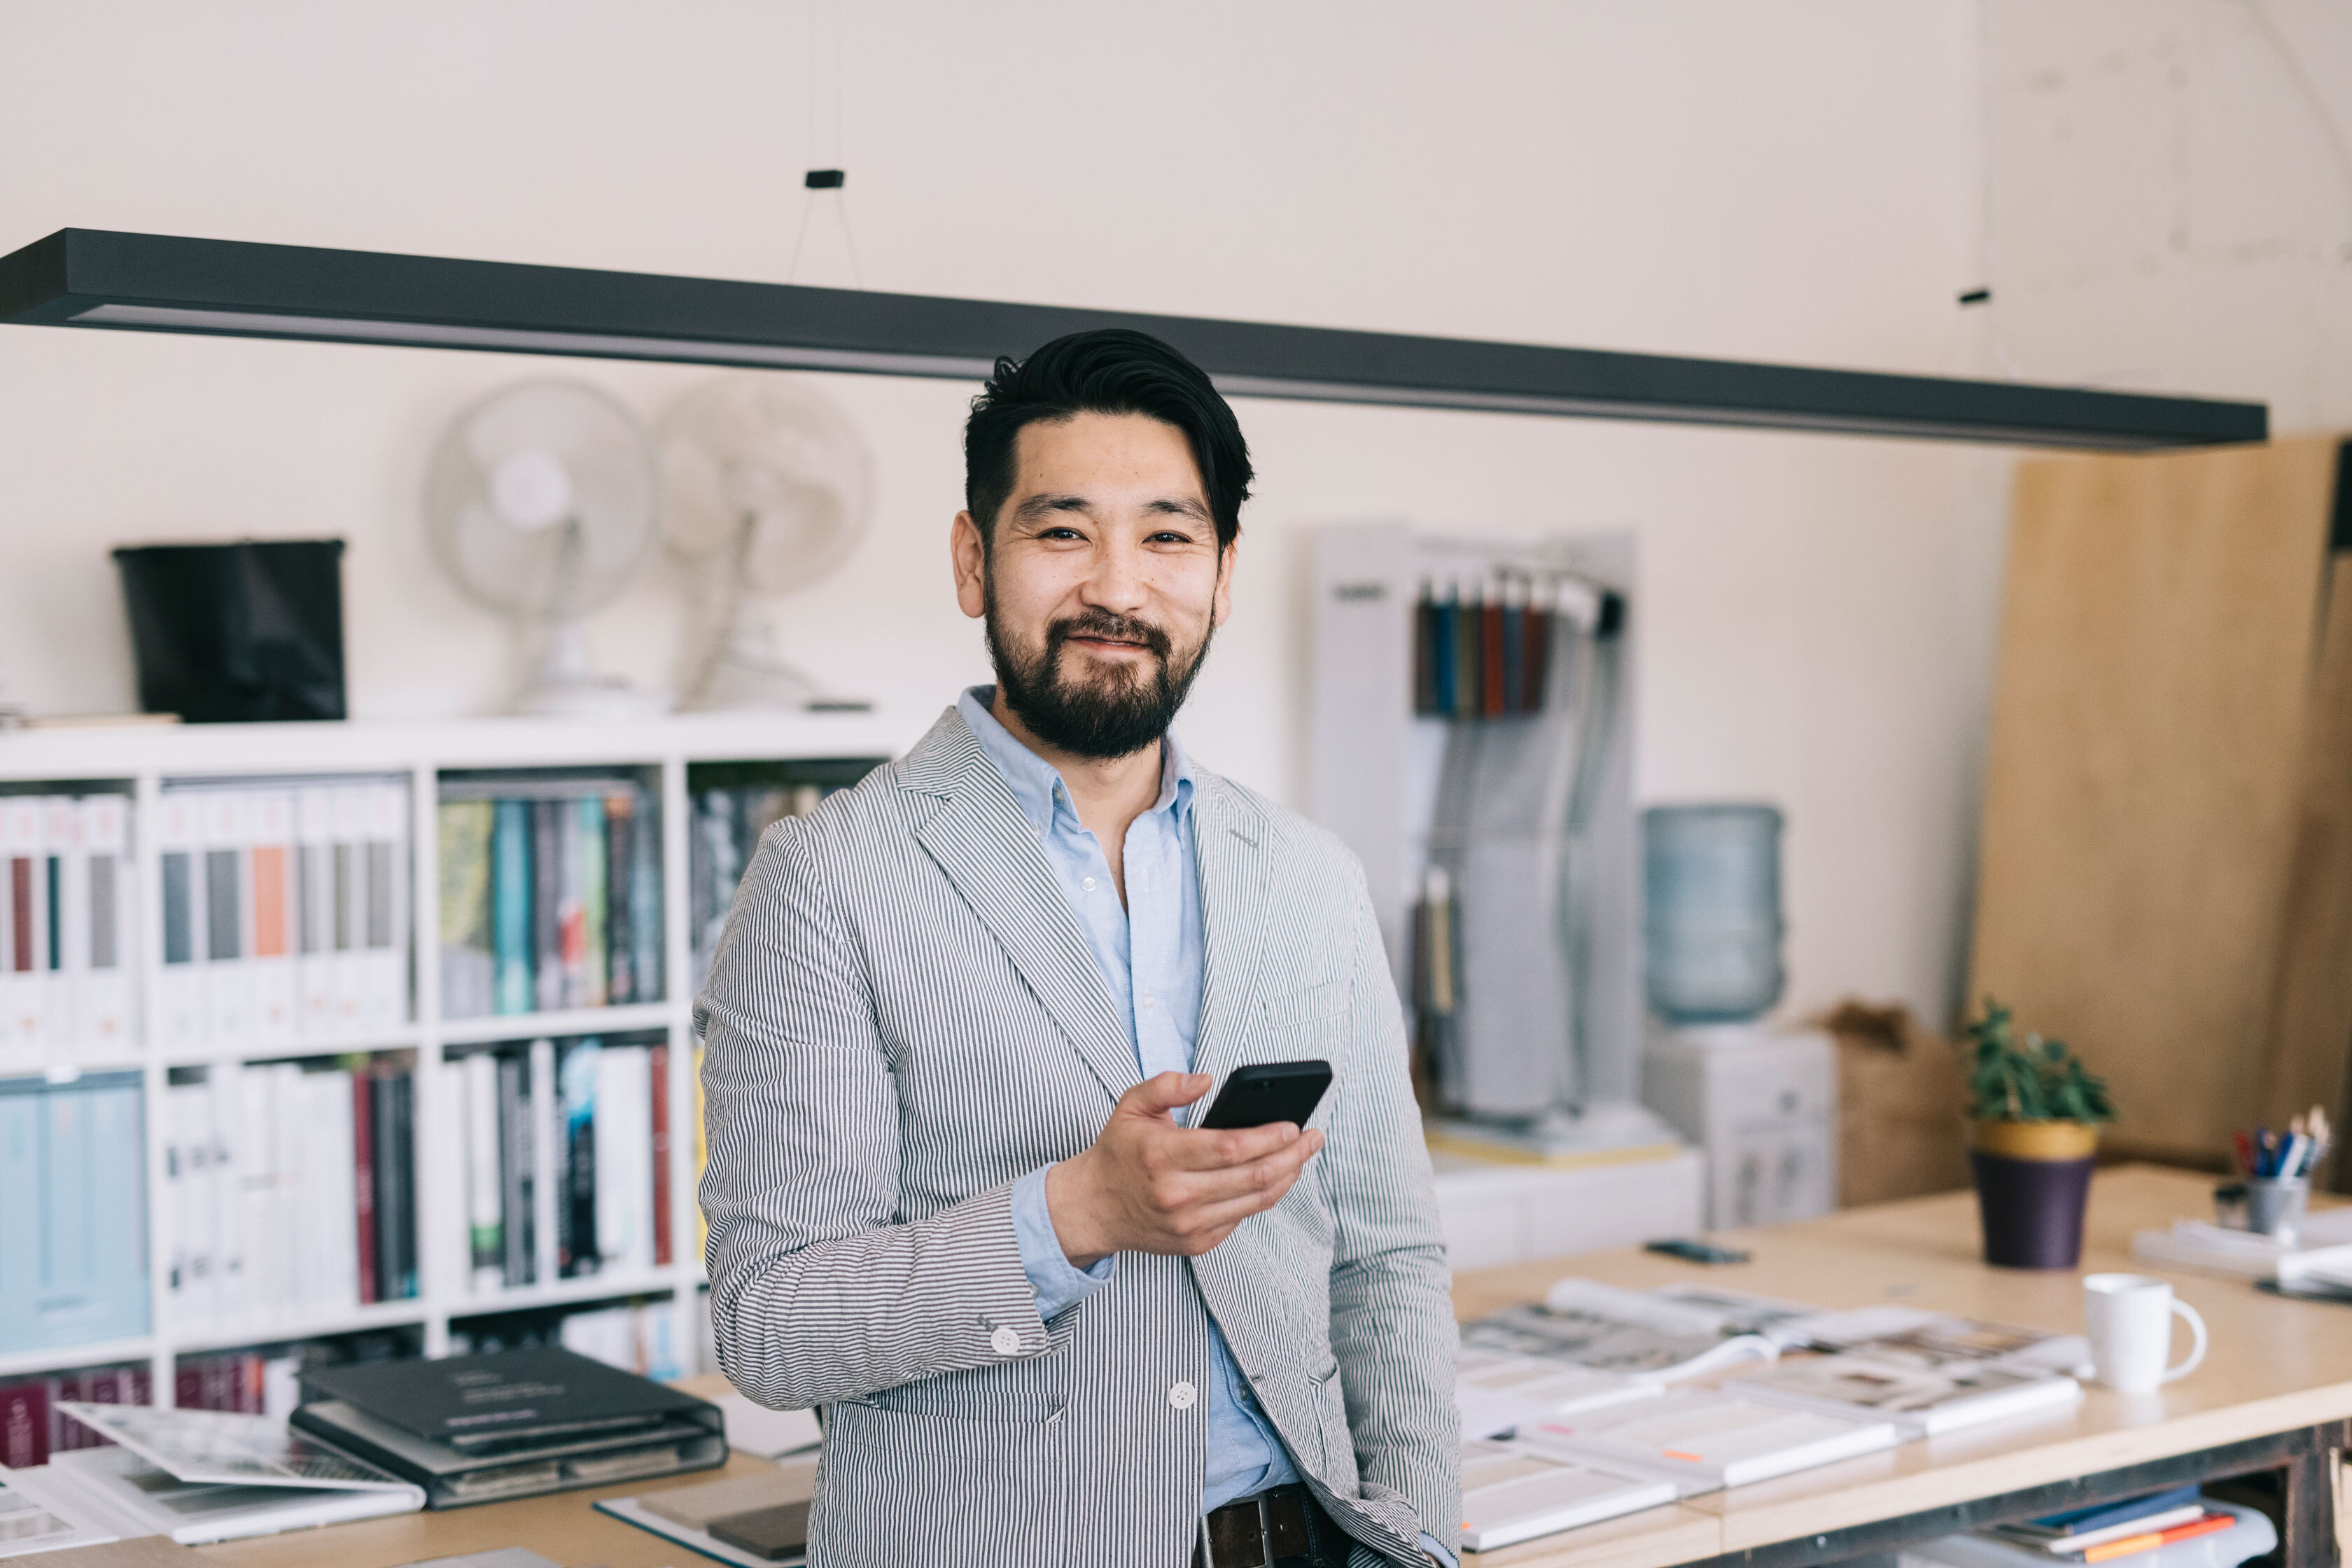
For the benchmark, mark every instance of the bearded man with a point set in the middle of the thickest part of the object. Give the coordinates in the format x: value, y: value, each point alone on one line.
x: 963, y: 1015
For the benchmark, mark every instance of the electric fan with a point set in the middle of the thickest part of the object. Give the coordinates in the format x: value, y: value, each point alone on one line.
x: 767, y: 489
x: 541, y: 503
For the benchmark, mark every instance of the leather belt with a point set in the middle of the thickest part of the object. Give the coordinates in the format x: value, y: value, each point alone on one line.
x: 1283, y: 1527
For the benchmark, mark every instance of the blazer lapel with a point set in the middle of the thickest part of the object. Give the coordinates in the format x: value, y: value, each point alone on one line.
x: 1228, y: 834
x: 988, y: 849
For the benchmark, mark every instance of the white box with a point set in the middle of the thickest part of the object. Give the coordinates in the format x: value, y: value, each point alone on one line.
x: 1762, y: 1107
x: 1493, y: 1213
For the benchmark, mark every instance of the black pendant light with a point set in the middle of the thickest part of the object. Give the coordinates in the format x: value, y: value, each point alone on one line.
x: 137, y: 283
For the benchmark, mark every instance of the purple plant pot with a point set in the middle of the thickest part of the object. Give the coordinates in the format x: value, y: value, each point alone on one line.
x: 2033, y: 1209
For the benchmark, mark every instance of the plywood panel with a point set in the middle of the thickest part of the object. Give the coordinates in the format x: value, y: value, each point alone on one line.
x: 2311, y: 1034
x: 2140, y: 800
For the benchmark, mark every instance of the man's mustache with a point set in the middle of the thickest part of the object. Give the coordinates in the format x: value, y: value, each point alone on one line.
x: 1103, y: 624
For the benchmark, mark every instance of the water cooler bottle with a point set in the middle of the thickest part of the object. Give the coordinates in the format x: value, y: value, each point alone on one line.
x: 1759, y: 1103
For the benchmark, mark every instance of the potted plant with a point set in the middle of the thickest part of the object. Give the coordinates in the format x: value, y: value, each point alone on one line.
x: 2037, y: 1114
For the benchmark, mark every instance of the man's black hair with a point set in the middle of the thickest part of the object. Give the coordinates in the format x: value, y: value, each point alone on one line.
x: 1108, y: 371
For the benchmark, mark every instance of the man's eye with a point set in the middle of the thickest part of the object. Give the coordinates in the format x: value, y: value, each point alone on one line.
x: 1059, y: 533
x: 1170, y: 537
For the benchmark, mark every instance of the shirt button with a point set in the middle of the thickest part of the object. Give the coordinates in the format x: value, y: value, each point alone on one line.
x: 1088, y: 884
x: 1006, y: 1341
x: 1147, y: 1000
x: 1182, y: 1396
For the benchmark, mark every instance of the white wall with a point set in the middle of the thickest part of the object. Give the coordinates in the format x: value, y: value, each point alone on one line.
x: 2171, y: 197
x: 1793, y: 182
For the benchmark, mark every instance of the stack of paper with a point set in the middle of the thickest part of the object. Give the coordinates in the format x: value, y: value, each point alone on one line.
x: 2322, y: 1246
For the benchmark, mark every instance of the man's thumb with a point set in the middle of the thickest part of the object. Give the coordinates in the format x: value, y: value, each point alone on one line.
x: 1163, y: 1092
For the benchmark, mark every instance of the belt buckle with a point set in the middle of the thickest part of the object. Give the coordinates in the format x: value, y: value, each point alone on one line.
x: 1267, y: 1530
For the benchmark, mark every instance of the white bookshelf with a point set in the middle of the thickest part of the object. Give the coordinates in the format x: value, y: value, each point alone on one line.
x: 141, y: 758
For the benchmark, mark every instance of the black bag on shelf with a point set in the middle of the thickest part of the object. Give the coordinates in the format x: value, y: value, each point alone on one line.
x: 236, y: 632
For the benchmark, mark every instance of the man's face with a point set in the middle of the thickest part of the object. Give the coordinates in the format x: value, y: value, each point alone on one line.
x: 1102, y: 584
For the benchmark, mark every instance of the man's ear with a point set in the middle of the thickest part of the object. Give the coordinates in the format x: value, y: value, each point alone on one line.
x: 968, y: 555
x: 1222, y: 606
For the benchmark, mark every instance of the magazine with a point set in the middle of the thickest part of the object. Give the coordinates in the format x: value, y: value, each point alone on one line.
x: 1704, y: 1442
x: 1513, y: 1492
x: 32, y: 1519
x: 1499, y: 1392
x: 1925, y: 1371
x: 203, y: 1475
x: 1613, y: 1330
x: 230, y: 1449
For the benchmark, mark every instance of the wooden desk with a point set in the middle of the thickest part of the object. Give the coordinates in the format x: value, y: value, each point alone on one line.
x: 2276, y: 1367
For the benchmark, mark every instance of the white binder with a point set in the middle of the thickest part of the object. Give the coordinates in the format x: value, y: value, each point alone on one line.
x: 103, y: 1017
x: 182, y: 1011
x: 229, y: 914
x: 266, y: 825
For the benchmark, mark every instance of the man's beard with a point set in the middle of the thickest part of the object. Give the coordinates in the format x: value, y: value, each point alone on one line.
x: 1116, y: 711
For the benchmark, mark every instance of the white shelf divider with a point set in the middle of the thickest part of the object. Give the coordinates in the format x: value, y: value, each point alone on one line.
x: 145, y: 757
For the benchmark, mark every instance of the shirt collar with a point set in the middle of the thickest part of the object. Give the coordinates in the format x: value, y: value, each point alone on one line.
x: 1037, y: 785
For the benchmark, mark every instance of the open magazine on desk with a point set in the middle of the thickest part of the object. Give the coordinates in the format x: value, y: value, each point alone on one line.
x: 1926, y: 1371
x: 203, y: 1476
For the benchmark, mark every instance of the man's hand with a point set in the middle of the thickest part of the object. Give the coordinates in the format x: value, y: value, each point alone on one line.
x: 1149, y: 1185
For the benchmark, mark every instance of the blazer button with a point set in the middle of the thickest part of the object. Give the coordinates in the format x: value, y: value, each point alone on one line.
x: 1006, y: 1341
x: 1181, y: 1397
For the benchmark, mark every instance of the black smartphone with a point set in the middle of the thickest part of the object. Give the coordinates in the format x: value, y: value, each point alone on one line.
x: 1696, y: 1251
x: 1269, y: 1091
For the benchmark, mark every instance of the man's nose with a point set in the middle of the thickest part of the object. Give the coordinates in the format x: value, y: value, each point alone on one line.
x: 1118, y: 582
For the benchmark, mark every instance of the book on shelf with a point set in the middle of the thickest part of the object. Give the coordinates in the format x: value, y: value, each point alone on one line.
x: 289, y: 1192
x: 1928, y: 1373
x: 73, y: 1211
x: 33, y: 1421
x: 550, y: 895
x: 2213, y: 1535
x: 565, y: 1145
x: 285, y: 910
x: 1517, y: 1491
x: 67, y: 923
x: 650, y: 1335
x: 1705, y: 1441
x: 200, y: 1477
x: 701, y: 1157
x: 635, y: 1337
x: 2078, y: 1529
x: 728, y: 823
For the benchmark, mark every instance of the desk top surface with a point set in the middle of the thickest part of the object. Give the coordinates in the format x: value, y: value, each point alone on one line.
x: 2274, y: 1365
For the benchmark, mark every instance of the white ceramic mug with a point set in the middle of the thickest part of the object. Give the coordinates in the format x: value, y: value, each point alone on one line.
x: 2130, y: 1320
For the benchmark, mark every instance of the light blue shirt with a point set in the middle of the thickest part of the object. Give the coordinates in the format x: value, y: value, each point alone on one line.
x: 1149, y: 953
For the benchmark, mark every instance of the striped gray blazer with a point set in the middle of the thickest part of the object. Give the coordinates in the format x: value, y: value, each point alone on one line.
x: 902, y: 1019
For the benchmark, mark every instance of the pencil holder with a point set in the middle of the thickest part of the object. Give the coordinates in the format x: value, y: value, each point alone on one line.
x: 2274, y: 1205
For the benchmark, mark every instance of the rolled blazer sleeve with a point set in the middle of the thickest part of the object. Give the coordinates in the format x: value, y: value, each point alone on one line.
x: 1392, y: 1328
x: 820, y: 1289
